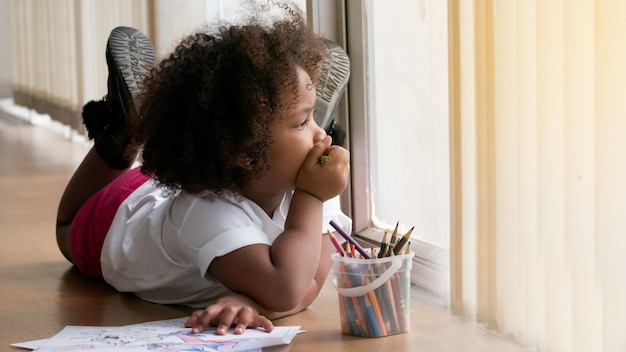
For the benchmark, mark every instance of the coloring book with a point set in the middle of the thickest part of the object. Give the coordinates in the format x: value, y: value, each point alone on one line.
x: 163, y: 335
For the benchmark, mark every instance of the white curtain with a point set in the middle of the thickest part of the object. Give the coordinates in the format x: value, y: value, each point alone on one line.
x: 59, y: 48
x: 538, y: 106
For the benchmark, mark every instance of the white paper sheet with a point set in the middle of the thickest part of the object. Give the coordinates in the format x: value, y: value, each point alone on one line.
x: 163, y: 335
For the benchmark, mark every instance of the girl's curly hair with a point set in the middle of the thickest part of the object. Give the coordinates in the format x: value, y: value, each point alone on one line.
x: 209, y: 104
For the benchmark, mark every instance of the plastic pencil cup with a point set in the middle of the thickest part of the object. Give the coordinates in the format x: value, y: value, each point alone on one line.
x: 374, y: 294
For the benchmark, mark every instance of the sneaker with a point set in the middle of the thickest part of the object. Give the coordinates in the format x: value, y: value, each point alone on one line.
x: 130, y: 56
x: 333, y: 79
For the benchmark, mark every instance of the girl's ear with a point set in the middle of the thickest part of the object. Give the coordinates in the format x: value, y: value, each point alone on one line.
x: 245, y: 162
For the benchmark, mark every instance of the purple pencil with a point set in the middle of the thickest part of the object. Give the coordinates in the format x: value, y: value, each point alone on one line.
x: 350, y: 239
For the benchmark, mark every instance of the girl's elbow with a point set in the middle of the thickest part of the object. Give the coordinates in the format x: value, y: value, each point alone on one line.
x: 285, y: 299
x: 282, y: 305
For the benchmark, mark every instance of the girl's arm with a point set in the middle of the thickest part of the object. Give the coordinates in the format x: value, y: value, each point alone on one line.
x: 282, y: 276
x: 243, y: 312
x: 315, y: 286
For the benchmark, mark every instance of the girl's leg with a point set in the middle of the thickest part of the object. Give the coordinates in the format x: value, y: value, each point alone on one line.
x: 130, y: 56
x: 92, y: 174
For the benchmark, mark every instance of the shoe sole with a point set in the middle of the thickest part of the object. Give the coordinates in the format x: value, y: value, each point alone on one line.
x: 130, y: 57
x: 332, y: 82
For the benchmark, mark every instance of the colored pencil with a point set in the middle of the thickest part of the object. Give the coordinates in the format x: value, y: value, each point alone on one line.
x: 394, y: 238
x: 383, y: 246
x: 398, y: 295
x: 349, y: 239
x: 335, y: 243
x: 372, y: 317
x: 371, y: 295
x: 398, y: 247
x: 346, y: 249
x: 383, y: 310
x: 388, y: 289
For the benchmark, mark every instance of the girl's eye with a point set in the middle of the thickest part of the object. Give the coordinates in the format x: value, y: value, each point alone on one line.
x: 302, y: 124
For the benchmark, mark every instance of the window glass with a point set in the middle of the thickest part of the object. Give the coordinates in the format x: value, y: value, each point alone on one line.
x: 408, y: 128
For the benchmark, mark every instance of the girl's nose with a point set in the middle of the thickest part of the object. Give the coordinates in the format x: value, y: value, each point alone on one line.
x: 319, y: 133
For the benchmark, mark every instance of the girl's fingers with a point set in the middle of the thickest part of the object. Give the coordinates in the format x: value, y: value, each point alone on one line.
x: 224, y: 317
x: 194, y: 322
x: 318, y: 149
x: 248, y: 319
x: 262, y: 322
x: 202, y: 318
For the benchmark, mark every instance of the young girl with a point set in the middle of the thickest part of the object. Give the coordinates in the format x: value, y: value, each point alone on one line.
x: 229, y: 206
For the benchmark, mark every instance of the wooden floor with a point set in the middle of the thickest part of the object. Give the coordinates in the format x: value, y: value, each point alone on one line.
x: 41, y: 292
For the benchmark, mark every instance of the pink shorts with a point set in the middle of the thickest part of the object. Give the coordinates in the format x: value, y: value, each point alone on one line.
x: 93, y: 220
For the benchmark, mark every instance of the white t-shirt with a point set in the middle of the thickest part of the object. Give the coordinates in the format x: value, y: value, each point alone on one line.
x: 159, y: 247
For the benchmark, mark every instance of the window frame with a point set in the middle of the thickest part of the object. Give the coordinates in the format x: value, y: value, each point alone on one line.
x: 345, y: 22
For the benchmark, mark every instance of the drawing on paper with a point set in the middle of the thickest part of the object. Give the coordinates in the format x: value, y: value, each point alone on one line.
x: 164, y: 336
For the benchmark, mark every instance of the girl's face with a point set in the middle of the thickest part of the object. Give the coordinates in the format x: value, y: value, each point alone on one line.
x: 293, y: 137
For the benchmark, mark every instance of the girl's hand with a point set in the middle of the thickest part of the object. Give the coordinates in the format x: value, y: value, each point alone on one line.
x: 229, y: 310
x: 327, y: 178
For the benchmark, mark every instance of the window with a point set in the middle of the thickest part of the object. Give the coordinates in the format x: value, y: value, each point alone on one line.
x: 400, y: 128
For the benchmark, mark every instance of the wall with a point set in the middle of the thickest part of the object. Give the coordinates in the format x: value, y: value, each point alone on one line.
x: 173, y: 19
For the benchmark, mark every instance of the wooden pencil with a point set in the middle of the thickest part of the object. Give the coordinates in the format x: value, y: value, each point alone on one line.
x: 394, y: 238
x: 383, y: 246
x: 392, y: 305
x: 373, y: 323
x: 398, y: 247
x: 336, y: 243
x: 354, y: 304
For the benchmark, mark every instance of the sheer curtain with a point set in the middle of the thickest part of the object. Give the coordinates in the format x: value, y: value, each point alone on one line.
x: 538, y: 107
x: 58, y: 51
